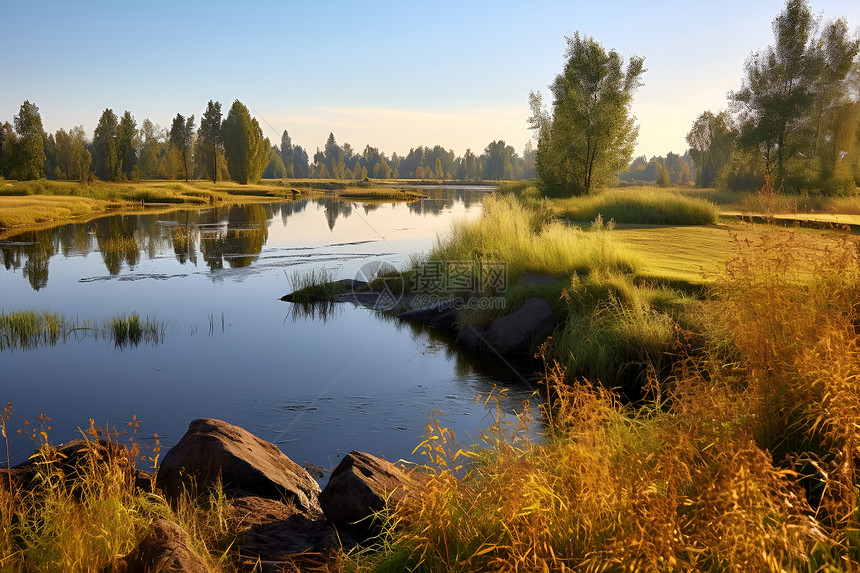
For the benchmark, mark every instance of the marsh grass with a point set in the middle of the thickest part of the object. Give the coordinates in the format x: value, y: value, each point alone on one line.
x: 28, y: 329
x: 744, y: 458
x: 525, y: 238
x: 316, y: 285
x: 648, y: 206
x: 617, y: 332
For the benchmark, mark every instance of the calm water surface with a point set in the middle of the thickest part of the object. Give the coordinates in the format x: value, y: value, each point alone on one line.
x: 318, y: 386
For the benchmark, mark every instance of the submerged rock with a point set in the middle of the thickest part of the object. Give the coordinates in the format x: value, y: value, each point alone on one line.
x: 245, y: 463
x: 441, y: 315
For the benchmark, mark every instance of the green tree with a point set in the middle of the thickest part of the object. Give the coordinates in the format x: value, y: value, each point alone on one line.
x: 182, y: 138
x: 663, y: 179
x: 589, y: 136
x: 712, y: 145
x: 790, y: 88
x: 246, y: 149
x: 300, y: 161
x: 287, y: 154
x: 151, y: 149
x: 209, y: 139
x: 497, y: 161
x: 275, y: 168
x: 26, y: 151
x: 73, y: 157
x: 106, y: 155
x: 126, y: 134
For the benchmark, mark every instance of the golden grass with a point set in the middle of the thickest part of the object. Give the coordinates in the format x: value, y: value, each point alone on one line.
x: 745, y: 460
x: 79, y: 515
x: 31, y: 210
x: 637, y: 205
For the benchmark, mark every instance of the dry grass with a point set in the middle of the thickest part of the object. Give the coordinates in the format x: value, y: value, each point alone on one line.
x: 744, y: 460
x: 79, y: 514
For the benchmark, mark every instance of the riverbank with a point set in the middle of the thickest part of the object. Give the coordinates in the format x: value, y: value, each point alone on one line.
x: 36, y: 205
x: 732, y: 448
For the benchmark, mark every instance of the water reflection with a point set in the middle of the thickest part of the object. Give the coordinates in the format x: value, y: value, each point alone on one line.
x: 223, y: 237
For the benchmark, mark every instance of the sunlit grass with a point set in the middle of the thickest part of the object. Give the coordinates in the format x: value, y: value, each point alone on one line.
x: 526, y: 239
x: 638, y: 205
x: 79, y: 514
x: 743, y: 460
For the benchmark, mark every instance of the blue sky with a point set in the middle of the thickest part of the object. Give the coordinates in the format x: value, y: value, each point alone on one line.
x: 390, y: 74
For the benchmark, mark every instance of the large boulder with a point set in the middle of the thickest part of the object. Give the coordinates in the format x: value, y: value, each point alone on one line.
x: 246, y: 465
x: 165, y: 548
x: 520, y: 332
x: 359, y: 487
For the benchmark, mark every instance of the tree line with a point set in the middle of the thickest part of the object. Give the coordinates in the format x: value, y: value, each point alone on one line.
x: 225, y: 148
x: 795, y: 120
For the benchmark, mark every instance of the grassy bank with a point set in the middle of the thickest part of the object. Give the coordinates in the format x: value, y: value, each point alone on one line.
x: 740, y: 454
x: 26, y: 205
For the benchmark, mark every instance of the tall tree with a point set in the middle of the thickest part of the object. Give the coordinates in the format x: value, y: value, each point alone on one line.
x: 497, y: 163
x: 182, y: 138
x: 789, y: 87
x: 106, y: 155
x: 590, y: 134
x: 73, y: 157
x: 246, y: 149
x: 151, y: 150
x: 712, y: 144
x: 300, y: 161
x: 26, y: 151
x: 287, y: 154
x: 210, y: 138
x: 126, y: 134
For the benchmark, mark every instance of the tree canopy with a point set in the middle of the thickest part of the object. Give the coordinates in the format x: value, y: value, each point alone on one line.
x: 246, y: 149
x: 24, y: 149
x: 209, y: 139
x: 589, y: 135
x: 105, y: 152
x: 796, y: 100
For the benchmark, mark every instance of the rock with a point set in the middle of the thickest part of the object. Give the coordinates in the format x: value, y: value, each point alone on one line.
x: 441, y: 315
x: 360, y: 486
x: 77, y: 456
x: 164, y: 549
x: 521, y: 331
x: 246, y: 464
x: 275, y: 532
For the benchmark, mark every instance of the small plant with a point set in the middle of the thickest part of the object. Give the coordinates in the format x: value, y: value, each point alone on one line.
x: 316, y: 285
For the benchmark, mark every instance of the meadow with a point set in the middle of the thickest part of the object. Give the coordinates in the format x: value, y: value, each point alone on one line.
x: 702, y: 400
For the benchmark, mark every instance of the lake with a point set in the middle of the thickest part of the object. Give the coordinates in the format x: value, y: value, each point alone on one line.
x: 318, y: 384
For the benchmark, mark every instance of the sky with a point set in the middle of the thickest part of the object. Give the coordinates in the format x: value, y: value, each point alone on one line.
x: 393, y: 75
